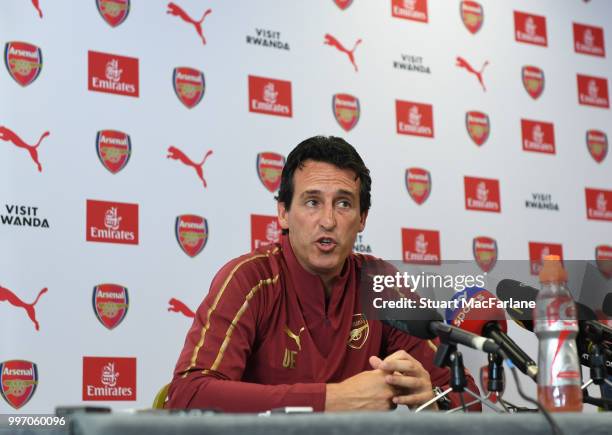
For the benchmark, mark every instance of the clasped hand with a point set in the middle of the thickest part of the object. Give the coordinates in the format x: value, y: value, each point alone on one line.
x: 410, y: 381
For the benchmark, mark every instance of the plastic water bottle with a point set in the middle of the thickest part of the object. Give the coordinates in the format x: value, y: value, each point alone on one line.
x: 559, y: 375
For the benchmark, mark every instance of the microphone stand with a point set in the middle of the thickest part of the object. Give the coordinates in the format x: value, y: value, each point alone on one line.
x: 447, y: 355
x: 495, y: 383
x: 598, y: 376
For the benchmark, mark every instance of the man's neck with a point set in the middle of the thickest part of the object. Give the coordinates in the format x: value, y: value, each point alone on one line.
x: 328, y: 284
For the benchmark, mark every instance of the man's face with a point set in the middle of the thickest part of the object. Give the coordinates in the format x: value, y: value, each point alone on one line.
x: 324, y: 217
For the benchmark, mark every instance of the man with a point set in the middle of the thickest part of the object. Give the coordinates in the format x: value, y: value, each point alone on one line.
x: 283, y: 325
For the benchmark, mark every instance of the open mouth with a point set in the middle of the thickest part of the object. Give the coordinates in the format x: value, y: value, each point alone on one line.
x: 326, y: 243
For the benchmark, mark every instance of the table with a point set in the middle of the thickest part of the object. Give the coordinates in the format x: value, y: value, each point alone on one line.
x: 336, y: 424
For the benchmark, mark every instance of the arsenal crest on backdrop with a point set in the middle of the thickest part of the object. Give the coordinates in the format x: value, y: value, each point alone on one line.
x: 597, y: 143
x: 472, y: 15
x: 191, y: 233
x: 478, y: 126
x: 23, y: 61
x: 346, y: 110
x: 533, y: 80
x: 418, y: 183
x: 269, y: 169
x: 18, y: 382
x: 114, y: 149
x: 485, y: 252
x: 110, y: 304
x: 114, y: 12
x: 189, y: 85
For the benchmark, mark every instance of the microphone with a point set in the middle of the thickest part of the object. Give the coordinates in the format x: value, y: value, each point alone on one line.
x: 511, y: 289
x: 427, y: 324
x: 489, y: 322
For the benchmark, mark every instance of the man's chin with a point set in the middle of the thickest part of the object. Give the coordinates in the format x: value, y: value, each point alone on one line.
x: 330, y: 266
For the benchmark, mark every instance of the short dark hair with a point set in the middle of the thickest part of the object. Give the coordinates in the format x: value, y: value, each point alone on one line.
x: 328, y: 149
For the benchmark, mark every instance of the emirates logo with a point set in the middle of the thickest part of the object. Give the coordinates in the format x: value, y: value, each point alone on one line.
x: 530, y: 26
x: 602, y: 204
x: 420, y: 244
x: 112, y: 220
x: 597, y: 201
x: 414, y: 117
x: 537, y: 134
x: 588, y: 39
x: 269, y: 93
x: 482, y: 193
x: 109, y: 375
x: 113, y: 72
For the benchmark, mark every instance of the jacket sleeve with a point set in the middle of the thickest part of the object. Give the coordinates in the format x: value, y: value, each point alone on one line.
x: 217, y: 347
x: 424, y: 351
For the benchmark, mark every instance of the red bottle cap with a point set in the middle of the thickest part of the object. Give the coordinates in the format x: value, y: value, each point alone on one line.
x: 552, y: 270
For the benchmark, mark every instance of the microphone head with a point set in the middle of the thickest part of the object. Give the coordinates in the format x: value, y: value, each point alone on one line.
x: 418, y: 323
x: 476, y: 308
x: 511, y: 289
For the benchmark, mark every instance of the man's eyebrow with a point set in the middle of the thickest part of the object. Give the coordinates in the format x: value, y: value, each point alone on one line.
x: 343, y: 192
x: 311, y: 192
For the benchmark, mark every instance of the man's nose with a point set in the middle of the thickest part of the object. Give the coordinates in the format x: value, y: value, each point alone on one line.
x: 328, y: 220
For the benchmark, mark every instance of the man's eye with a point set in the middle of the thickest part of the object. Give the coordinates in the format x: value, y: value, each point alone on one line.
x: 344, y: 203
x: 311, y: 203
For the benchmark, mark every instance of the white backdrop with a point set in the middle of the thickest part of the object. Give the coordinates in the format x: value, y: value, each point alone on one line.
x: 157, y: 269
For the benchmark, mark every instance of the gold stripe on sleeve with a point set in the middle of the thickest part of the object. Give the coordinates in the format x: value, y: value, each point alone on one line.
x: 432, y: 345
x: 213, y: 307
x: 230, y: 329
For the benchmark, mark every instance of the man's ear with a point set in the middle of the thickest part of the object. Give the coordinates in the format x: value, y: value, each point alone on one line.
x: 362, y: 221
x: 283, y: 217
